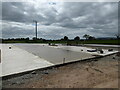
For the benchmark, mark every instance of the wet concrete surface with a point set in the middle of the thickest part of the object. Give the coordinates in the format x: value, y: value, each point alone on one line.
x: 54, y: 55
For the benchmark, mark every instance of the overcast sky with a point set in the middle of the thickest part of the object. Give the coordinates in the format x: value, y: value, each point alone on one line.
x: 59, y: 19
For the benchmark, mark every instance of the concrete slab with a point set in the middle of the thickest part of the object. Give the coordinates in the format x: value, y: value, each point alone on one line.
x: 102, y: 45
x: 16, y: 60
x: 84, y: 50
x: 54, y: 55
x: 26, y: 57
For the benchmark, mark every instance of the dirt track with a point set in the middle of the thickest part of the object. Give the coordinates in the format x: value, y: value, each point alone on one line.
x: 102, y: 73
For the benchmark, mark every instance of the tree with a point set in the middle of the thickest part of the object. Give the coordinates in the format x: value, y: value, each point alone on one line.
x: 27, y: 38
x: 34, y: 38
x: 91, y: 38
x: 86, y: 36
x: 117, y: 36
x: 77, y: 38
x: 65, y: 38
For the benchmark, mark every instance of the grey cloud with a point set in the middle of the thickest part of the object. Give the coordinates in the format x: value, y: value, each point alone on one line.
x: 73, y: 19
x: 18, y: 12
x: 11, y: 12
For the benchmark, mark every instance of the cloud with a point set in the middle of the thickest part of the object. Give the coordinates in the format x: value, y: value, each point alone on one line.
x: 59, y: 19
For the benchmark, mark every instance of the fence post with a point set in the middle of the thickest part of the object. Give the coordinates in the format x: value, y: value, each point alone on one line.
x: 63, y: 60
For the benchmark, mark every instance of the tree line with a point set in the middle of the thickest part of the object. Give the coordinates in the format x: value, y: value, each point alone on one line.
x: 76, y: 40
x: 65, y: 38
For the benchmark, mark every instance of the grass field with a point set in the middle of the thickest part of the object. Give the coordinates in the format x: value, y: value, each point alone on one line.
x: 110, y: 42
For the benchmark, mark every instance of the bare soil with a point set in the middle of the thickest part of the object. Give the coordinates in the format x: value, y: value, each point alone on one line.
x: 101, y: 73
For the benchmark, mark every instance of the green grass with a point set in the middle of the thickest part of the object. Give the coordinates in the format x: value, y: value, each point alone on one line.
x: 110, y: 42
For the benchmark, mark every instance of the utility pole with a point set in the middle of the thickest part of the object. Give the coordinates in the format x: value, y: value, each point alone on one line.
x: 35, y: 28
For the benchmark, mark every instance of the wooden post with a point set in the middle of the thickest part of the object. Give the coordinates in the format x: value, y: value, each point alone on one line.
x: 63, y: 60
